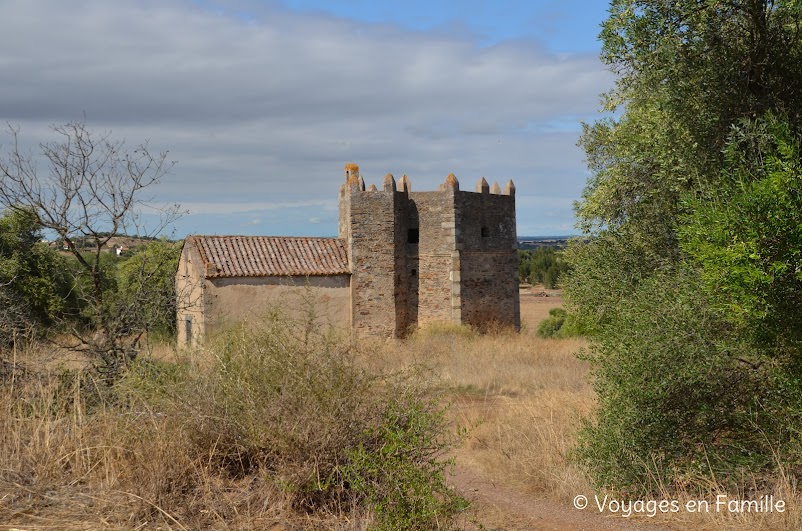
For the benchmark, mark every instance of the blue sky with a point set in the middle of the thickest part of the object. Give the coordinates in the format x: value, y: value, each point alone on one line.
x: 560, y: 26
x: 262, y: 103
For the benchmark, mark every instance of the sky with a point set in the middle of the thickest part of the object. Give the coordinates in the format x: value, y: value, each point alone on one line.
x: 262, y: 102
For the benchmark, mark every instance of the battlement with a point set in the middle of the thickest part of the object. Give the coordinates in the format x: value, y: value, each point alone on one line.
x: 419, y: 257
x: 355, y: 183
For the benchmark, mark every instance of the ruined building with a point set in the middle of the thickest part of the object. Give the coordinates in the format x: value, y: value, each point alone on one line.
x: 402, y: 259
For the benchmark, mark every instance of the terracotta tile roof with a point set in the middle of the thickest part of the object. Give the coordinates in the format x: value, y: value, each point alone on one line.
x: 261, y: 256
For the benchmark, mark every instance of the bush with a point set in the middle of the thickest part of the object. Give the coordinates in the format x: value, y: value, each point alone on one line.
x: 146, y: 287
x: 398, y: 473
x: 559, y: 324
x: 302, y: 413
x: 682, y: 402
x: 34, y: 292
x: 268, y: 425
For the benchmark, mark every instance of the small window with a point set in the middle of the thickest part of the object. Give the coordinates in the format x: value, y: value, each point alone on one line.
x: 485, y: 232
x: 413, y: 273
x: 188, y: 329
x: 413, y: 236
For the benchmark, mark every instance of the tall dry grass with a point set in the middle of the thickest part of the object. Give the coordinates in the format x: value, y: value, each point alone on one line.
x: 67, y: 463
x: 265, y: 427
x: 521, y: 398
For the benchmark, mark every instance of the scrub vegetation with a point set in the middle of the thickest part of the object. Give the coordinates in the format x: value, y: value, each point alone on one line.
x: 689, y: 277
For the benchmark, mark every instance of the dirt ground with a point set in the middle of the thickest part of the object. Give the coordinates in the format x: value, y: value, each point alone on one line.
x: 495, y: 507
x: 536, y: 301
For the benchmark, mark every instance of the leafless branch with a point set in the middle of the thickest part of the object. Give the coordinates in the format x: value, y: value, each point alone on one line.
x: 92, y: 191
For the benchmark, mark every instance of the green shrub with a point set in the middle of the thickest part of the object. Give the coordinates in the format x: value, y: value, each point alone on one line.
x: 559, y: 324
x: 299, y: 411
x: 682, y: 402
x: 398, y: 473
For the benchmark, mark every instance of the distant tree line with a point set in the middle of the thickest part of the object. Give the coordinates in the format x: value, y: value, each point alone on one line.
x: 543, y: 265
x: 83, y: 242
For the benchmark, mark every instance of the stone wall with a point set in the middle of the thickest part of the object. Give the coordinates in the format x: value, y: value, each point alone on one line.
x: 430, y: 262
x: 489, y: 261
x: 423, y: 257
x: 371, y: 253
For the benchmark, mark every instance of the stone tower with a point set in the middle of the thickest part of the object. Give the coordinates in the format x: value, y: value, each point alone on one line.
x: 423, y: 257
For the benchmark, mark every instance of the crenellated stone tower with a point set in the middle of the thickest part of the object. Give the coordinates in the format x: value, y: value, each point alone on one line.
x: 422, y: 257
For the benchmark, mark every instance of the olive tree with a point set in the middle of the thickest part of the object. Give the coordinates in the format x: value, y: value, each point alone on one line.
x: 690, y: 280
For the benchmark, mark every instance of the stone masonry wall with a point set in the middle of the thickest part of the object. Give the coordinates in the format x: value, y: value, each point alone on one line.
x: 372, y: 244
x: 488, y: 251
x: 424, y: 257
x: 430, y: 262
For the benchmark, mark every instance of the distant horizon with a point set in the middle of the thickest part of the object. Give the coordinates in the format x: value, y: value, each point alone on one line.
x: 177, y: 238
x: 550, y: 237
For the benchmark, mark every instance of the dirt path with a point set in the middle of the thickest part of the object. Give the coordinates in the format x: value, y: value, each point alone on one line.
x: 500, y: 508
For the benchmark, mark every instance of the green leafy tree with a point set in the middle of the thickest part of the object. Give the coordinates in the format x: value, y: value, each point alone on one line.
x: 689, y: 284
x: 34, y: 291
x: 146, y: 288
x: 688, y: 71
x: 746, y: 234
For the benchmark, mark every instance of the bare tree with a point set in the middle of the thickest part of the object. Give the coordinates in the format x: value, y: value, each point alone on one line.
x: 91, y: 191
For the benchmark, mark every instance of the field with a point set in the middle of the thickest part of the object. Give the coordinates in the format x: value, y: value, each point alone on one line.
x: 518, y: 400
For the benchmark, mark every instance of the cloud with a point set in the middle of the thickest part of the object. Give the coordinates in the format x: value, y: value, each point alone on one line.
x: 249, y: 207
x: 263, y: 106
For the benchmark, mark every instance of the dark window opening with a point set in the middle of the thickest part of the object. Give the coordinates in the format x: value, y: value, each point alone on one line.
x: 485, y: 232
x: 413, y: 236
x: 413, y: 273
x: 188, y: 329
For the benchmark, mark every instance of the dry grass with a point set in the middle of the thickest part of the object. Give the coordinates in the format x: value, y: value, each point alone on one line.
x: 64, y: 467
x: 521, y: 397
x: 250, y: 433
